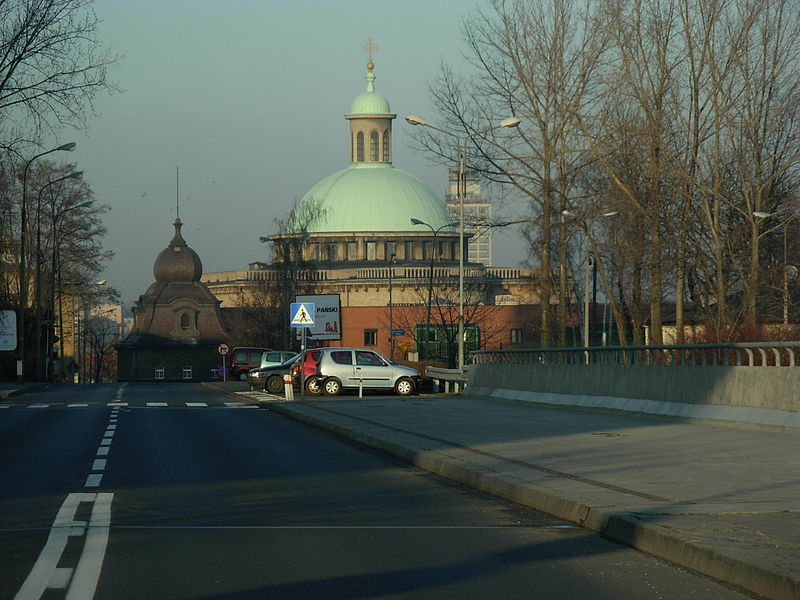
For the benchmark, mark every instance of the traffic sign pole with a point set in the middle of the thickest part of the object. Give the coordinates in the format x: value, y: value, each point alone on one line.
x: 222, y: 350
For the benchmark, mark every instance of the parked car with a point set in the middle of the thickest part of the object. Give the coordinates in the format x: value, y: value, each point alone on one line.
x: 270, y: 378
x: 307, y: 364
x: 277, y: 357
x: 337, y: 369
x: 243, y: 359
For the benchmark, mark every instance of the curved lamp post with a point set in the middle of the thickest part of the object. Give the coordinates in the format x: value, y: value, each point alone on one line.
x: 462, y: 192
x: 435, y: 232
x: 41, y: 356
x: 55, y: 272
x: 585, y: 220
x: 22, y: 275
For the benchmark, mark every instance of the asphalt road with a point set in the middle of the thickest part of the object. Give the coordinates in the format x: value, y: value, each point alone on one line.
x: 177, y: 491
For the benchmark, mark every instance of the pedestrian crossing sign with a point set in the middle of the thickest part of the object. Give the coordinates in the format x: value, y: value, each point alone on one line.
x: 301, y: 314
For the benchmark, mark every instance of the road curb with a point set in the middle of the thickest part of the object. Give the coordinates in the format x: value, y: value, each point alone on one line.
x: 624, y: 527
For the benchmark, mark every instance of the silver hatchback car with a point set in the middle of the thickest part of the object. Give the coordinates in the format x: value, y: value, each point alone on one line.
x: 351, y: 368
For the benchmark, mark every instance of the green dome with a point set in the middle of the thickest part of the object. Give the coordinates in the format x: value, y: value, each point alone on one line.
x: 370, y: 197
x: 370, y: 102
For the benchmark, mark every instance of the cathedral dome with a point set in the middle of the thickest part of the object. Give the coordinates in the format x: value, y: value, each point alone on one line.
x: 177, y: 262
x: 368, y: 197
x: 371, y: 194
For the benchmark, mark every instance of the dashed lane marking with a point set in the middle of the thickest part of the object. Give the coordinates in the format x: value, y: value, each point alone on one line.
x: 93, y: 480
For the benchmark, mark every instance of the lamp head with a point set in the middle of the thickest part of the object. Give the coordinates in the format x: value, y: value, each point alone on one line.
x: 761, y: 215
x: 75, y: 175
x: 416, y: 120
x: 510, y: 122
x: 68, y: 147
x: 417, y: 222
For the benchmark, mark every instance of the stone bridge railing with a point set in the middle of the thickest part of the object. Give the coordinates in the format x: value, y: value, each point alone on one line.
x: 752, y: 382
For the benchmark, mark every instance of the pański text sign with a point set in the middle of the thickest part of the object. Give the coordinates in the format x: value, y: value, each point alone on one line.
x: 327, y: 317
x: 8, y: 330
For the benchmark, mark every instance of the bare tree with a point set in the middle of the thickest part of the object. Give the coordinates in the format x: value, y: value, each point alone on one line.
x: 535, y: 60
x: 51, y: 64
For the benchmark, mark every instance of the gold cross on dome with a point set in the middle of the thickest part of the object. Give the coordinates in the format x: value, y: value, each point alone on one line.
x: 369, y: 48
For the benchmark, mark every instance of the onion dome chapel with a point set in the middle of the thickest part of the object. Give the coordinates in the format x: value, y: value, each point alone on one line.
x: 177, y: 322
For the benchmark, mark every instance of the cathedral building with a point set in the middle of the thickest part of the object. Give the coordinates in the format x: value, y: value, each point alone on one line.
x: 378, y: 244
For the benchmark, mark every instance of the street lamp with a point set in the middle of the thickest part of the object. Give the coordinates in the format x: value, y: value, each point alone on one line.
x: 789, y: 271
x: 22, y: 275
x: 40, y: 350
x: 55, y: 272
x: 462, y: 192
x: 430, y: 276
x: 392, y: 257
x: 585, y: 222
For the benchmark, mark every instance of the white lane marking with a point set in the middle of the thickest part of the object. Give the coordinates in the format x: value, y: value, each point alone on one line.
x: 60, y: 578
x: 157, y: 404
x: 99, y: 464
x: 5, y: 406
x: 105, y: 442
x: 103, y: 451
x: 109, y: 434
x: 112, y: 427
x: 38, y: 406
x: 196, y: 404
x: 117, y: 404
x: 77, y: 405
x: 87, y: 572
x: 45, y: 567
x: 93, y: 480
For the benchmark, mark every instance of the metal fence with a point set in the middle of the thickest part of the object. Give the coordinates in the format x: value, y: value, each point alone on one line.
x: 758, y: 354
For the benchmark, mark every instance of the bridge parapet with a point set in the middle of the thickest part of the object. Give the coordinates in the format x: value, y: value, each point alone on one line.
x: 755, y: 379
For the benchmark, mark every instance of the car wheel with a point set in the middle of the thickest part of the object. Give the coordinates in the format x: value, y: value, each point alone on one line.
x: 313, y: 387
x: 274, y: 384
x: 404, y: 387
x: 331, y: 386
x: 243, y: 376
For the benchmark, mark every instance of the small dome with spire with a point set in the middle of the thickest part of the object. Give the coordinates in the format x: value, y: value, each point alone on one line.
x: 177, y: 262
x: 370, y: 102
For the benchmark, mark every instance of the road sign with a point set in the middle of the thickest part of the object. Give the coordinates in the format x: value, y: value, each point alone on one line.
x: 396, y: 332
x: 8, y: 330
x: 302, y: 314
x: 223, y: 349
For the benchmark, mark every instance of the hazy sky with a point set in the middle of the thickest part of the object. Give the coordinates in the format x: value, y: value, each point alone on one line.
x: 249, y: 98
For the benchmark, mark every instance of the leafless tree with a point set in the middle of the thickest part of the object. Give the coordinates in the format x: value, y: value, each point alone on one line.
x: 535, y: 60
x: 51, y: 65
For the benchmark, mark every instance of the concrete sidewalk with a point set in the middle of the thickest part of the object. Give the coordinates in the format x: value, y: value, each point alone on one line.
x: 718, y: 500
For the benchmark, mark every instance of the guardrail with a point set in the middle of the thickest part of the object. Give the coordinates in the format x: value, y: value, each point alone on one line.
x: 731, y: 354
x: 458, y: 377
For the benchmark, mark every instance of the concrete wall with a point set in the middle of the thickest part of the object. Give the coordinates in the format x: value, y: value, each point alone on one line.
x: 775, y: 388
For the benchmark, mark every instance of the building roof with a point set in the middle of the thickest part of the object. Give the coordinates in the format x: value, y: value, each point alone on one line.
x: 370, y: 102
x: 369, y: 197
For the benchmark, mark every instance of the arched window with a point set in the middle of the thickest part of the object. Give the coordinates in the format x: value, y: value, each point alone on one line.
x: 352, y: 148
x: 374, y: 146
x: 360, y: 146
x: 387, y: 145
x: 185, y: 322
